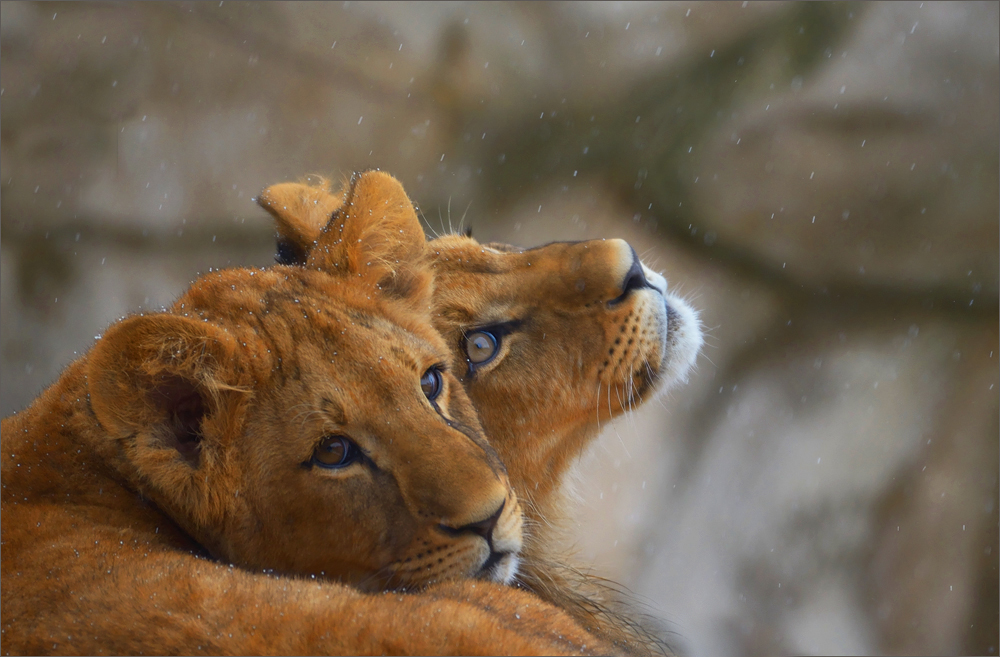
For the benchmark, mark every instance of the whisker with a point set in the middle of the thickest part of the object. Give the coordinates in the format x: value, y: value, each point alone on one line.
x: 429, y: 227
x: 624, y: 403
x: 441, y: 221
x: 375, y: 576
x: 632, y: 394
x: 461, y: 223
x: 597, y: 405
x: 612, y: 415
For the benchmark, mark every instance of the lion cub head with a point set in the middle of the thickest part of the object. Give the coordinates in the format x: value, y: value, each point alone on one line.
x: 568, y: 335
x: 307, y: 419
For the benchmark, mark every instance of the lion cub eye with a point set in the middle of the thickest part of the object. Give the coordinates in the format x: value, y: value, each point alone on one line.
x: 335, y: 452
x: 431, y: 383
x: 481, y: 346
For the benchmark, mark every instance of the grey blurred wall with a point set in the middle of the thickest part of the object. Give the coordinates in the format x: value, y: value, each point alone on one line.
x: 820, y: 179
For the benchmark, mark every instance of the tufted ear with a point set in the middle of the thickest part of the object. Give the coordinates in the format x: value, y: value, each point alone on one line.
x: 162, y: 377
x: 300, y: 213
x: 376, y: 237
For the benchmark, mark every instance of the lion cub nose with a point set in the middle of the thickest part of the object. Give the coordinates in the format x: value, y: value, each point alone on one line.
x: 483, y: 527
x: 635, y: 279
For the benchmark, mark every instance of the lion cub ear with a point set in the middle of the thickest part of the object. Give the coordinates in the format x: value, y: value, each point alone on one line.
x: 376, y: 237
x: 163, y: 379
x: 300, y: 212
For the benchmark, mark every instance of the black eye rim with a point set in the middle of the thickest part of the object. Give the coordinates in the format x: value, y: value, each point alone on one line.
x: 438, y: 381
x: 352, y: 453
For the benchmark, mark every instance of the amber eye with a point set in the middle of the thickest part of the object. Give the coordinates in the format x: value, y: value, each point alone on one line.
x: 335, y: 452
x: 431, y: 383
x: 481, y: 346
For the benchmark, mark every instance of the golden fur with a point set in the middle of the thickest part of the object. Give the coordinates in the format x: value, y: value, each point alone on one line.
x: 586, y: 332
x: 188, y: 440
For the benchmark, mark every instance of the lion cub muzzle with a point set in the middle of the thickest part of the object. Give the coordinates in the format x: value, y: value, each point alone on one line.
x: 502, y: 533
x: 648, y: 336
x: 655, y: 334
x: 486, y: 548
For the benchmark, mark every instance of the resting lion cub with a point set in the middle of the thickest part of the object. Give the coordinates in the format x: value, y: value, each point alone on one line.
x: 292, y: 421
x: 553, y: 342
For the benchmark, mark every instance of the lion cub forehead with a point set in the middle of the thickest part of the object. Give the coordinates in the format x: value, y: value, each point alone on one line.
x: 464, y: 254
x: 286, y: 306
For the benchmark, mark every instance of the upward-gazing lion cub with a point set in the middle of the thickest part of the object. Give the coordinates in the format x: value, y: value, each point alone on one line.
x: 203, y: 477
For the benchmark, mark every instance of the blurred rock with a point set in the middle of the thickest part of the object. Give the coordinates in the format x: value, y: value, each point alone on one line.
x: 934, y: 576
x: 828, y: 420
x: 59, y: 293
x: 880, y: 169
x: 827, y: 481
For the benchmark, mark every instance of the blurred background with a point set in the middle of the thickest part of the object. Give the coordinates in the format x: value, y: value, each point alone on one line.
x: 820, y: 180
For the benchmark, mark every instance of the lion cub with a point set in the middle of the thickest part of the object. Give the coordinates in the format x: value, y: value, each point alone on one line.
x: 289, y: 422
